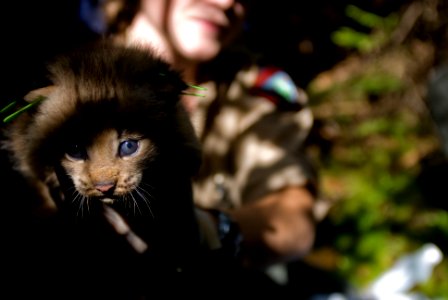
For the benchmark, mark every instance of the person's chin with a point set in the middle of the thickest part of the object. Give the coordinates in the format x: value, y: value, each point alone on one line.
x: 203, y: 52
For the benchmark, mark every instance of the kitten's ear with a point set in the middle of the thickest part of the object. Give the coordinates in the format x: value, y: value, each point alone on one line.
x: 41, y: 92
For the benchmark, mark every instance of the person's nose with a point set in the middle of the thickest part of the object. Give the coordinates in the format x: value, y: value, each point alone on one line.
x: 225, y: 4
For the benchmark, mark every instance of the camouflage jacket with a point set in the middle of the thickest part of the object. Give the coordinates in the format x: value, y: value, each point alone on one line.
x: 252, y: 131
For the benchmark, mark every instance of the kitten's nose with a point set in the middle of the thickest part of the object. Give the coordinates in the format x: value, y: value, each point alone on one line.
x: 104, y: 186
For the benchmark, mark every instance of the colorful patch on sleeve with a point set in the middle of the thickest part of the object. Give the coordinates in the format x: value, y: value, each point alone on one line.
x: 278, y: 87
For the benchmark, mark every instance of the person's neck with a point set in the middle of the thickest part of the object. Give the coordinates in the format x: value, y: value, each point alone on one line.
x: 140, y: 32
x: 189, y: 69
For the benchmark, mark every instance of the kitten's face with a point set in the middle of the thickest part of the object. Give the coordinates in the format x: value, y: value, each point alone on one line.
x: 109, y: 168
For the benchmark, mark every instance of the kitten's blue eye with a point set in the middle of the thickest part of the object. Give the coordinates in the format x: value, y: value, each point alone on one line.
x: 77, y: 152
x: 128, y: 147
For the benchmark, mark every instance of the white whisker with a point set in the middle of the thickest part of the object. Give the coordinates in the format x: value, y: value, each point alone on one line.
x: 87, y: 200
x: 146, y: 185
x: 142, y: 192
x: 135, y: 203
x: 78, y: 198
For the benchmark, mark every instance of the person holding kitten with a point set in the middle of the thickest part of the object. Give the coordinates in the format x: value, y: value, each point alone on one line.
x: 251, y: 118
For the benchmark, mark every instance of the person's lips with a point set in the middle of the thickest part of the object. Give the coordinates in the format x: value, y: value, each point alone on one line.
x: 211, y: 17
x: 209, y: 25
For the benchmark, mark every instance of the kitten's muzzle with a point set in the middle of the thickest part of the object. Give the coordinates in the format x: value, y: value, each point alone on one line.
x: 107, y: 189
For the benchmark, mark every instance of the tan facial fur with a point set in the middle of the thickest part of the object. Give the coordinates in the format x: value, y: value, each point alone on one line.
x: 107, y: 176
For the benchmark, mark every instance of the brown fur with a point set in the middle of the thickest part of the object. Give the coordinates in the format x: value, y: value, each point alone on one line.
x: 122, y: 216
x: 99, y: 97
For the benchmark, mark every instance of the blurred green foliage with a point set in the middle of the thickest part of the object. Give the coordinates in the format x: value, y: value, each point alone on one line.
x: 379, y: 30
x: 378, y: 139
